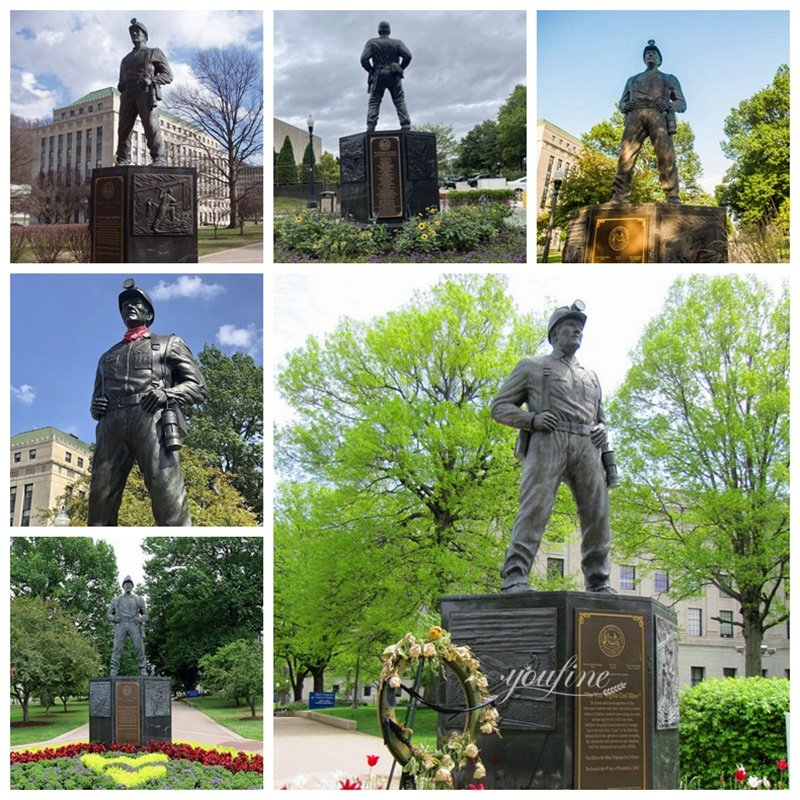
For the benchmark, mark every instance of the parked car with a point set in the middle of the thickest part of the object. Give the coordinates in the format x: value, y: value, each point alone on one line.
x: 520, y: 184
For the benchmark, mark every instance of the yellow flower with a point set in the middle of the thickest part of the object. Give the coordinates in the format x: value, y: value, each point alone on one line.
x: 421, y: 226
x: 435, y: 632
x: 480, y: 771
x: 471, y: 750
x: 437, y: 223
x: 298, y: 218
x: 424, y: 236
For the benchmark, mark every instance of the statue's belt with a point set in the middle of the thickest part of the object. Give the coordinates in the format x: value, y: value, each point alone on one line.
x: 577, y: 428
x: 125, y: 401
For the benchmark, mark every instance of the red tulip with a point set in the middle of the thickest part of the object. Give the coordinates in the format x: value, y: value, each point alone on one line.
x: 473, y: 786
x: 372, y: 760
x: 782, y: 764
x: 348, y: 784
x: 741, y: 774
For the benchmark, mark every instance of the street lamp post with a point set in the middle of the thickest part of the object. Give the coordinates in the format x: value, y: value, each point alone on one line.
x: 558, y: 179
x: 312, y: 201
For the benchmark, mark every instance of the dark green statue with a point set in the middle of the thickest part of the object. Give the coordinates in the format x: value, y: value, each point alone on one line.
x: 385, y: 59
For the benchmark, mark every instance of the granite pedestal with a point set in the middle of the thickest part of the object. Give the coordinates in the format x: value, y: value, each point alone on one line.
x: 388, y: 176
x: 143, y: 215
x: 586, y: 686
x: 130, y: 710
x: 647, y: 233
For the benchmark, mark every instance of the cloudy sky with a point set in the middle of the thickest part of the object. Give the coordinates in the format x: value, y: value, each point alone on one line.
x: 59, y: 56
x: 61, y: 324
x: 465, y: 65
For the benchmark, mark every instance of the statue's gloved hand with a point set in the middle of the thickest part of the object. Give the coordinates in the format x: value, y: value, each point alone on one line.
x: 153, y: 400
x: 662, y: 104
x: 544, y: 421
x: 99, y: 407
x: 598, y: 435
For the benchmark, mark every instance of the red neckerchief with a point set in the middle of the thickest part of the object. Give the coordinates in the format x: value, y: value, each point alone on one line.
x: 132, y: 334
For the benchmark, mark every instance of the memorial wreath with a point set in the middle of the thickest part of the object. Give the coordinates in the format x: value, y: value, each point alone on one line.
x: 459, y: 749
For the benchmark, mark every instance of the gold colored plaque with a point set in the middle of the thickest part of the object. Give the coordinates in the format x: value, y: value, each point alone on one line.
x: 386, y: 184
x: 127, y: 728
x: 619, y: 240
x: 108, y: 217
x: 611, y: 704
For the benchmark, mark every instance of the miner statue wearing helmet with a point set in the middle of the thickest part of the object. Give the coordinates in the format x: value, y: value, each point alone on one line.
x: 142, y: 73
x: 649, y: 103
x: 142, y: 383
x: 128, y: 613
x: 557, y: 407
x: 385, y: 59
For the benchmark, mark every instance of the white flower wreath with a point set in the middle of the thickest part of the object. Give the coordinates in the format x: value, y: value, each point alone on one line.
x: 458, y: 749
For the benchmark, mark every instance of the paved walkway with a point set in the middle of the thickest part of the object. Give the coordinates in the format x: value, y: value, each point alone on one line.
x: 312, y: 755
x: 188, y: 725
x: 249, y: 254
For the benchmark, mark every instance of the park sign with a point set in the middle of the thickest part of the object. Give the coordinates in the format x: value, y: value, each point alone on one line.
x: 321, y: 700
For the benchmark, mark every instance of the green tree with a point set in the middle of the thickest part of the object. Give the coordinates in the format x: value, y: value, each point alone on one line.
x: 480, y: 150
x: 702, y: 424
x: 236, y: 670
x: 213, y: 499
x: 757, y: 131
x: 446, y: 146
x: 227, y: 429
x: 328, y: 168
x: 203, y: 592
x: 49, y: 656
x: 286, y: 165
x: 75, y: 571
x: 512, y: 130
x: 304, y: 170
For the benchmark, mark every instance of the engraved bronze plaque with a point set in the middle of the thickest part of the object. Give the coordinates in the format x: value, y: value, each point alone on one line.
x: 163, y: 204
x: 619, y: 240
x: 386, y: 195
x: 127, y: 729
x: 611, y: 706
x: 108, y: 212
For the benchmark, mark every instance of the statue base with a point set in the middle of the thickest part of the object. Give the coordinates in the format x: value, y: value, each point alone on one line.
x: 648, y: 233
x: 143, y: 215
x: 586, y: 686
x: 130, y: 710
x: 388, y: 176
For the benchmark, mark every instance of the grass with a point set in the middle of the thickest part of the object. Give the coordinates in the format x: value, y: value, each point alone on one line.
x: 366, y: 717
x: 227, y: 238
x: 51, y: 725
x: 287, y: 205
x: 231, y: 717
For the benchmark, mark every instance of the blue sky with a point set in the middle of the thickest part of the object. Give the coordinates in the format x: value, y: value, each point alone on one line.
x: 61, y: 324
x: 719, y: 57
x: 59, y: 56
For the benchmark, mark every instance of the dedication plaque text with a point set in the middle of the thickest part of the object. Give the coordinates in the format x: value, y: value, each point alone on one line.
x: 387, y: 185
x: 611, y: 712
x: 619, y: 240
x: 108, y: 204
x: 128, y: 707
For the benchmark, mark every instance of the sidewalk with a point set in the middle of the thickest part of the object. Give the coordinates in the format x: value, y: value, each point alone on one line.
x: 249, y: 254
x: 188, y: 725
x: 312, y: 755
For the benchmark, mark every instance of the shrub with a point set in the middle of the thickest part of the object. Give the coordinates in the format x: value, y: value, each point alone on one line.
x: 729, y: 722
x: 19, y: 240
x: 480, y: 197
x: 47, y: 242
x: 78, y: 243
x: 326, y: 239
x: 465, y: 227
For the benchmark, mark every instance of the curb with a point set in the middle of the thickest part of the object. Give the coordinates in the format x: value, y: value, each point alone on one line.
x: 326, y: 719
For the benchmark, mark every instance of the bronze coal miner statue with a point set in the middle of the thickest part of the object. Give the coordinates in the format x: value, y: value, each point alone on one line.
x: 141, y: 385
x: 649, y: 102
x: 385, y: 59
x: 142, y: 73
x: 127, y: 614
x: 557, y: 406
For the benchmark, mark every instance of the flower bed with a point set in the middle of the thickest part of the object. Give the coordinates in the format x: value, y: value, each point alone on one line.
x: 156, y: 765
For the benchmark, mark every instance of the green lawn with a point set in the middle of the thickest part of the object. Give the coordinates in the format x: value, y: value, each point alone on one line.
x: 366, y: 718
x: 227, y: 238
x: 287, y: 205
x: 221, y: 711
x: 47, y: 727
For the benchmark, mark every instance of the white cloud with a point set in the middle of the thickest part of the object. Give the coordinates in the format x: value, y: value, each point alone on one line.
x: 246, y: 339
x: 24, y: 393
x: 186, y: 286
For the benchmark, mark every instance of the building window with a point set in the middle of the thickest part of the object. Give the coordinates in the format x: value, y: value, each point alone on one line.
x: 729, y: 672
x: 555, y: 567
x: 694, y: 622
x: 27, y: 502
x: 698, y: 674
x: 17, y: 458
x: 31, y: 454
x: 661, y: 581
x: 68, y: 457
x: 627, y: 578
x: 367, y: 691
x: 726, y: 624
x: 80, y: 462
x: 723, y: 579
x: 13, y: 501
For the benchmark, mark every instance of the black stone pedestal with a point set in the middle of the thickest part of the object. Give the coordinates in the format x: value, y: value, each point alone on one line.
x: 618, y: 233
x: 143, y: 215
x: 130, y: 710
x: 586, y: 687
x: 388, y: 176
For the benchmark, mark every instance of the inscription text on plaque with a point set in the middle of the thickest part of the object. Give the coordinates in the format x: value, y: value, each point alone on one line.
x: 387, y: 184
x: 128, y: 712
